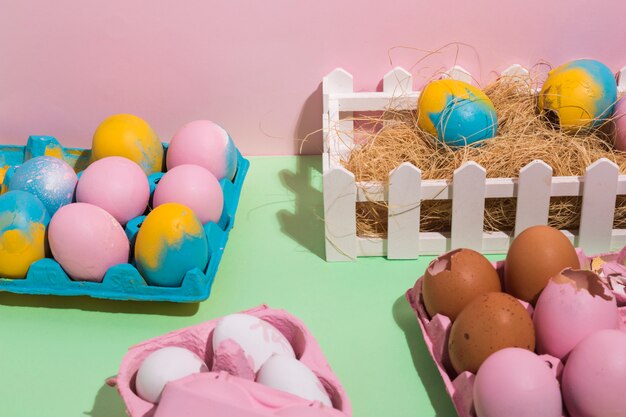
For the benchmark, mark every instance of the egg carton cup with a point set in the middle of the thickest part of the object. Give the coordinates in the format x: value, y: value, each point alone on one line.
x: 229, y: 389
x: 436, y: 330
x: 121, y: 282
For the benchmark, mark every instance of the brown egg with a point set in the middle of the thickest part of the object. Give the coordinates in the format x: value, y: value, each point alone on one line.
x: 454, y: 279
x: 537, y: 254
x: 491, y: 322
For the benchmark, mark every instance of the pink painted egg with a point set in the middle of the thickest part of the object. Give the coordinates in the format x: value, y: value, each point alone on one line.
x: 194, y: 187
x: 515, y: 382
x: 86, y: 241
x: 573, y: 305
x: 619, y: 115
x: 117, y: 185
x: 204, y: 143
x: 594, y: 376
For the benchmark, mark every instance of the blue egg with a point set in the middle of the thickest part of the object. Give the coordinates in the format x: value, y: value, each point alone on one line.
x: 49, y: 179
x: 23, y: 223
x: 170, y: 242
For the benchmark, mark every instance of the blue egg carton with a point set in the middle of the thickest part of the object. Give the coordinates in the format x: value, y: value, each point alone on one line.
x: 121, y: 282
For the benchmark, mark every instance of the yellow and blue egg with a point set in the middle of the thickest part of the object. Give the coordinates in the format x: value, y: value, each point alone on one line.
x: 457, y: 113
x: 130, y: 137
x: 170, y: 242
x: 578, y: 94
x: 23, y: 223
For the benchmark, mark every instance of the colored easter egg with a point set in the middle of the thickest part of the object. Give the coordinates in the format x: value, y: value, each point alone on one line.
x: 619, y: 116
x: 116, y: 184
x: 23, y: 222
x: 86, y: 241
x: 49, y: 179
x: 194, y: 187
x: 131, y: 137
x: 456, y: 113
x: 578, y: 94
x: 204, y: 143
x: 170, y: 242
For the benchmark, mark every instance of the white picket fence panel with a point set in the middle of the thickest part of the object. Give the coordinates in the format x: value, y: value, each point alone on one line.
x: 468, y: 189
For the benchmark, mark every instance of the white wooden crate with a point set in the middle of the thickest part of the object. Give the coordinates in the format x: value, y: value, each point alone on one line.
x: 468, y: 189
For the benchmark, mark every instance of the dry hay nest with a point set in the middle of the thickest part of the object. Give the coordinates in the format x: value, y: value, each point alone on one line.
x: 387, y: 139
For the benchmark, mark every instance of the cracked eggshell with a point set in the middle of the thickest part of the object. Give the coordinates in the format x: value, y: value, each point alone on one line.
x: 536, y: 255
x: 574, y: 305
x: 258, y: 339
x: 454, y: 279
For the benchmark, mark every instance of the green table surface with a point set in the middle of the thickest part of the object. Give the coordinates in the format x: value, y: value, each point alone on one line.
x: 56, y: 352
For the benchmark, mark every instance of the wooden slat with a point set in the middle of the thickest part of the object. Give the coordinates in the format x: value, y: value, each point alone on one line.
x: 468, y: 206
x: 403, y: 221
x: 376, y: 101
x: 533, y: 196
x: 398, y: 81
x: 596, y: 218
x: 459, y: 73
x: 340, y: 215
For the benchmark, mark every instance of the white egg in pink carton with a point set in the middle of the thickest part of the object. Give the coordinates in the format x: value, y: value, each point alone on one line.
x: 259, y: 363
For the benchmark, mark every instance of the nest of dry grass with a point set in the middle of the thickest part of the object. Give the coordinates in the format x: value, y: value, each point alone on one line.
x: 393, y: 137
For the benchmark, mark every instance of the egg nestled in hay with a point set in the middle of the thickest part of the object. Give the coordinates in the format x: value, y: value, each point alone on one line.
x: 579, y: 94
x: 456, y: 113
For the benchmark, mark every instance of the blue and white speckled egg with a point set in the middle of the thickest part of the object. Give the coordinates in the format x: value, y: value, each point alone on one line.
x: 23, y: 223
x: 457, y: 113
x: 578, y: 94
x: 170, y: 242
x: 49, y: 179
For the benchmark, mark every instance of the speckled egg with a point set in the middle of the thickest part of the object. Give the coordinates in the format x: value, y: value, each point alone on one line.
x: 23, y: 222
x: 457, y: 113
x: 116, y: 184
x: 594, y: 376
x: 131, y: 137
x: 491, y: 322
x: 206, y: 144
x: 573, y: 305
x: 578, y: 94
x: 86, y: 241
x: 170, y: 242
x: 515, y: 382
x: 194, y: 187
x: 49, y: 179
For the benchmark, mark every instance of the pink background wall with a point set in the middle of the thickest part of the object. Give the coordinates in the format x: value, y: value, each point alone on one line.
x: 256, y: 66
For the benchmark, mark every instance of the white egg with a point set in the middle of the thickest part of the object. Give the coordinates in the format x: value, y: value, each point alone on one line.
x: 165, y: 365
x: 257, y: 338
x: 290, y: 375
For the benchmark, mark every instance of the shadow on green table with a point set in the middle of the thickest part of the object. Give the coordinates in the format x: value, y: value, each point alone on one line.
x: 97, y: 304
x: 108, y: 403
x: 305, y: 225
x: 426, y: 369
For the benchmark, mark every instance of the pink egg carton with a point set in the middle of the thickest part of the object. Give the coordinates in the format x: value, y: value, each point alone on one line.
x: 609, y: 266
x: 234, y: 393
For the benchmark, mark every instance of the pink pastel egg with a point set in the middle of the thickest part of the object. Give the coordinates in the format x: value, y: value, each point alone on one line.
x: 619, y: 115
x: 572, y: 306
x: 515, y: 382
x: 86, y: 241
x: 117, y: 185
x: 194, y: 187
x: 594, y: 376
x: 203, y: 143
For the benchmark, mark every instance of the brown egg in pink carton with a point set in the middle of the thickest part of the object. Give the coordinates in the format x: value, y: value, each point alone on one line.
x: 556, y: 330
x: 258, y: 363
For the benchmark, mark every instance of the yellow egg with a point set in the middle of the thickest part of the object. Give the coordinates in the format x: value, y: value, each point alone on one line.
x: 131, y: 137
